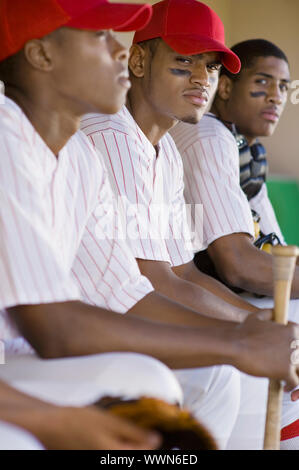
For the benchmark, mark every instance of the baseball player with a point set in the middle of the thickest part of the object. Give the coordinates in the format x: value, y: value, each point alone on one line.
x: 58, y: 205
x: 225, y: 167
x: 174, y: 67
x: 40, y: 189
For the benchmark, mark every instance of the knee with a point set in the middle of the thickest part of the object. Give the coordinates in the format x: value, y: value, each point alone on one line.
x: 157, y: 379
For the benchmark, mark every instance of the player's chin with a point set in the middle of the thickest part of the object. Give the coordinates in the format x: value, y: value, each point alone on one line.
x: 267, y: 129
x: 113, y: 105
x: 194, y: 114
x: 191, y: 118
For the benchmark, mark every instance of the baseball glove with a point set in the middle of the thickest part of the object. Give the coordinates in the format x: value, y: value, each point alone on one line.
x: 177, y: 427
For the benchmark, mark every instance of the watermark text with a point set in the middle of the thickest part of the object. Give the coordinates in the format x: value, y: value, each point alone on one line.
x: 182, y: 223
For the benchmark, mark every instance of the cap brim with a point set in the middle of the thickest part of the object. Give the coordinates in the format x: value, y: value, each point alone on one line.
x: 116, y: 16
x: 191, y: 44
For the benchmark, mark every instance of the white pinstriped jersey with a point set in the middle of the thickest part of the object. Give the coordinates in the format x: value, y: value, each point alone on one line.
x: 54, y: 217
x: 212, y: 177
x: 151, y: 186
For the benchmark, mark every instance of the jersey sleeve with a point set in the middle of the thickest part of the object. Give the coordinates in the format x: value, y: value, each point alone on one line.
x: 105, y: 268
x: 31, y: 271
x: 212, y: 179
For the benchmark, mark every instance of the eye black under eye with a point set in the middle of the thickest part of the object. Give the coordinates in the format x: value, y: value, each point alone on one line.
x: 180, y: 72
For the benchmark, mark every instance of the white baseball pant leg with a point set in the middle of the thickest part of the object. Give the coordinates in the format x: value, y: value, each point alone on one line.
x: 212, y: 394
x: 80, y: 381
x: 290, y: 409
x: 248, y: 432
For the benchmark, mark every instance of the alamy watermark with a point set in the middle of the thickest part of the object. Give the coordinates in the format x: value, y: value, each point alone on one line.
x: 177, y: 223
x: 294, y: 97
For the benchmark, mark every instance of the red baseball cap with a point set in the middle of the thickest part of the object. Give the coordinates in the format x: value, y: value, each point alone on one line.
x: 22, y: 20
x: 189, y: 27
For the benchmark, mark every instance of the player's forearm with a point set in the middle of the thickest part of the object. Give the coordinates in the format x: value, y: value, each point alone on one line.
x: 212, y: 302
x: 12, y: 400
x: 254, y: 273
x: 192, y: 274
x: 250, y: 346
x: 240, y: 264
x: 74, y: 329
x: 197, y: 298
x: 50, y: 424
x: 23, y: 410
x: 161, y: 309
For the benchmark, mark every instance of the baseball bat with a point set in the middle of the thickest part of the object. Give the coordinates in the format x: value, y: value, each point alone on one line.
x: 284, y: 261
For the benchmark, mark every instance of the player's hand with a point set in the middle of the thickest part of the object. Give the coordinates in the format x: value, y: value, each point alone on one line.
x: 264, y: 349
x: 93, y: 429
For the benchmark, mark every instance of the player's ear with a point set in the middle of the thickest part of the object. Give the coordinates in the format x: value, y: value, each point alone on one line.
x: 225, y: 86
x: 38, y: 53
x: 137, y: 60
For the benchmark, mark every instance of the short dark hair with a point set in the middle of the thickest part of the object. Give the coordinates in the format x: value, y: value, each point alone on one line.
x: 250, y: 50
x: 9, y: 68
x: 152, y: 44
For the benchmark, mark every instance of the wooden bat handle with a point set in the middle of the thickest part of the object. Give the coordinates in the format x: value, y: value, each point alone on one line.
x: 284, y: 261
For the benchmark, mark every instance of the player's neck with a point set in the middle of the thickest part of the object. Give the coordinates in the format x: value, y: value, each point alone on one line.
x: 52, y: 122
x: 220, y: 111
x: 152, y: 123
x: 223, y: 113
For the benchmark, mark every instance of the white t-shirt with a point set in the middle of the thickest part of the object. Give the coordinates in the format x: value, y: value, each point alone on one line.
x: 212, y: 177
x: 149, y: 187
x: 53, y: 215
